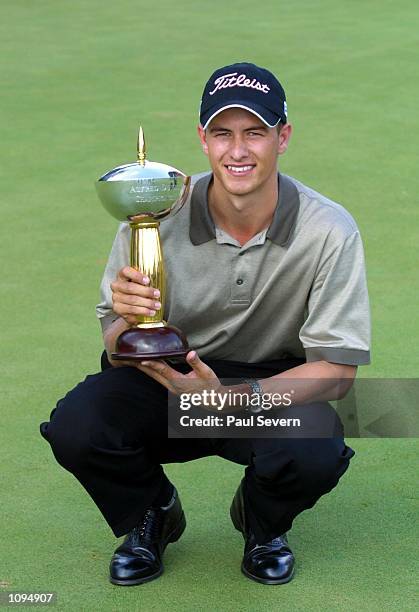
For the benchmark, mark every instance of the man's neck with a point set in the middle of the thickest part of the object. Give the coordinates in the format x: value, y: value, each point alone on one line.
x: 242, y: 217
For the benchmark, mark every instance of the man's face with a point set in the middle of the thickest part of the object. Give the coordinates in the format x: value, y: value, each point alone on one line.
x: 242, y: 150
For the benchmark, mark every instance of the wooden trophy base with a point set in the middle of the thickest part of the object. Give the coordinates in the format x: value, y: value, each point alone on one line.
x: 143, y: 343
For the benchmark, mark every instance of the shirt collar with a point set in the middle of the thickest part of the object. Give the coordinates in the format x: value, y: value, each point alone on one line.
x: 223, y: 238
x: 280, y: 231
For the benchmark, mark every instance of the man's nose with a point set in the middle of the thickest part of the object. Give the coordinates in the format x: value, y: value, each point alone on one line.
x: 238, y: 149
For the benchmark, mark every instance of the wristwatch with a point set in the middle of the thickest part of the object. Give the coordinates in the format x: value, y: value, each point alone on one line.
x: 256, y: 390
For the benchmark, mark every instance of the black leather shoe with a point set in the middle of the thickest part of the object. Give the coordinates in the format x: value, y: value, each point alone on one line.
x: 139, y: 558
x: 269, y: 563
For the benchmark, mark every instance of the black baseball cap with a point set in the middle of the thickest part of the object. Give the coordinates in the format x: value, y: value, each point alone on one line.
x: 245, y: 86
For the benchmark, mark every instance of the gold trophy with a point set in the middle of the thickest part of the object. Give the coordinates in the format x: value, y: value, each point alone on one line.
x: 143, y: 193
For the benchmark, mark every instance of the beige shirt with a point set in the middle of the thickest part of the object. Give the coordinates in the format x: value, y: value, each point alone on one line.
x: 296, y: 289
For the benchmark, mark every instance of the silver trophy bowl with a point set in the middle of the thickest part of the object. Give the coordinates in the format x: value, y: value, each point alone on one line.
x: 143, y: 188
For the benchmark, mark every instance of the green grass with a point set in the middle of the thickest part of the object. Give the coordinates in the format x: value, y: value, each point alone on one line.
x: 77, y: 79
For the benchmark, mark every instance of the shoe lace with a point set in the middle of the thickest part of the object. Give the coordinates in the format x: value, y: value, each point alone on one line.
x: 280, y: 541
x: 146, y: 531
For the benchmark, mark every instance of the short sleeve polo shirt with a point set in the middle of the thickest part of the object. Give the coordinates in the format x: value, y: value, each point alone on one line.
x: 296, y: 289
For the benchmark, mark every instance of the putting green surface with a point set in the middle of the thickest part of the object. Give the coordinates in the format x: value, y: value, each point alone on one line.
x: 77, y: 79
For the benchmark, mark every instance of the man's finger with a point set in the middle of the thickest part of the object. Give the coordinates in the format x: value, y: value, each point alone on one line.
x: 162, y: 368
x: 201, y: 368
x: 156, y: 376
x: 128, y: 273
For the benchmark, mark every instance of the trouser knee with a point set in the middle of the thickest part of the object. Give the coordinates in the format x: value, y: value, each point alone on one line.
x: 67, y: 437
x: 310, y: 467
x: 110, y: 412
x: 71, y: 423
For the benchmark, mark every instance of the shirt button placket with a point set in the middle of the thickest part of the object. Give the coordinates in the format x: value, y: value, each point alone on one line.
x: 240, y: 286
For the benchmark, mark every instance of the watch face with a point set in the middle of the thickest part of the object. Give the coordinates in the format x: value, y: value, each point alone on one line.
x: 255, y: 409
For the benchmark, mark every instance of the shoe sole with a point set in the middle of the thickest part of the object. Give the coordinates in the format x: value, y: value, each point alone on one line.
x: 171, y: 538
x: 265, y: 580
x: 136, y: 582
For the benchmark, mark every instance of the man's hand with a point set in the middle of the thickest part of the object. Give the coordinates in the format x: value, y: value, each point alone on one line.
x: 200, y: 378
x: 131, y: 295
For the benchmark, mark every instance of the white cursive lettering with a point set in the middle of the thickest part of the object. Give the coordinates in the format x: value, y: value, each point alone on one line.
x: 232, y: 80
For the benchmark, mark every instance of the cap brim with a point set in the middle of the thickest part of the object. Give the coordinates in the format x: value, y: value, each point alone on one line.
x: 268, y: 118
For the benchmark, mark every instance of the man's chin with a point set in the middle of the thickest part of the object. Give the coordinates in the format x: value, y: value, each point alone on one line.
x: 239, y: 187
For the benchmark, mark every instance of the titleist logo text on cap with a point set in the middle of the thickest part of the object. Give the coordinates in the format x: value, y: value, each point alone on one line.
x: 232, y: 80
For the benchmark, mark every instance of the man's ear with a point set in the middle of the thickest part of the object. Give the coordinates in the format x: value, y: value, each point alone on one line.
x: 203, y: 139
x: 284, y: 138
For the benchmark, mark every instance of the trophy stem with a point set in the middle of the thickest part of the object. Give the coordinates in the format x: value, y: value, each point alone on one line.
x: 147, y: 256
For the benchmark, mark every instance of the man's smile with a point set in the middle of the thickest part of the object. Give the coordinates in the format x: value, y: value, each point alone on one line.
x: 239, y: 170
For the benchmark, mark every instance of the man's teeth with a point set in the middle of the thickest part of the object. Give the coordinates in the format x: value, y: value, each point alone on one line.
x: 239, y: 168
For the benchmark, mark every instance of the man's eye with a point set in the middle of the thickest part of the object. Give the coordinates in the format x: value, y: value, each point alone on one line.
x: 222, y: 134
x: 252, y: 134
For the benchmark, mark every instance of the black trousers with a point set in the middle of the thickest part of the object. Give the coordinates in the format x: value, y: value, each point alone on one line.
x: 110, y: 431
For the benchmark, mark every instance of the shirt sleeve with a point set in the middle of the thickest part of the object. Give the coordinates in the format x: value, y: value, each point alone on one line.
x: 118, y: 258
x: 337, y: 327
